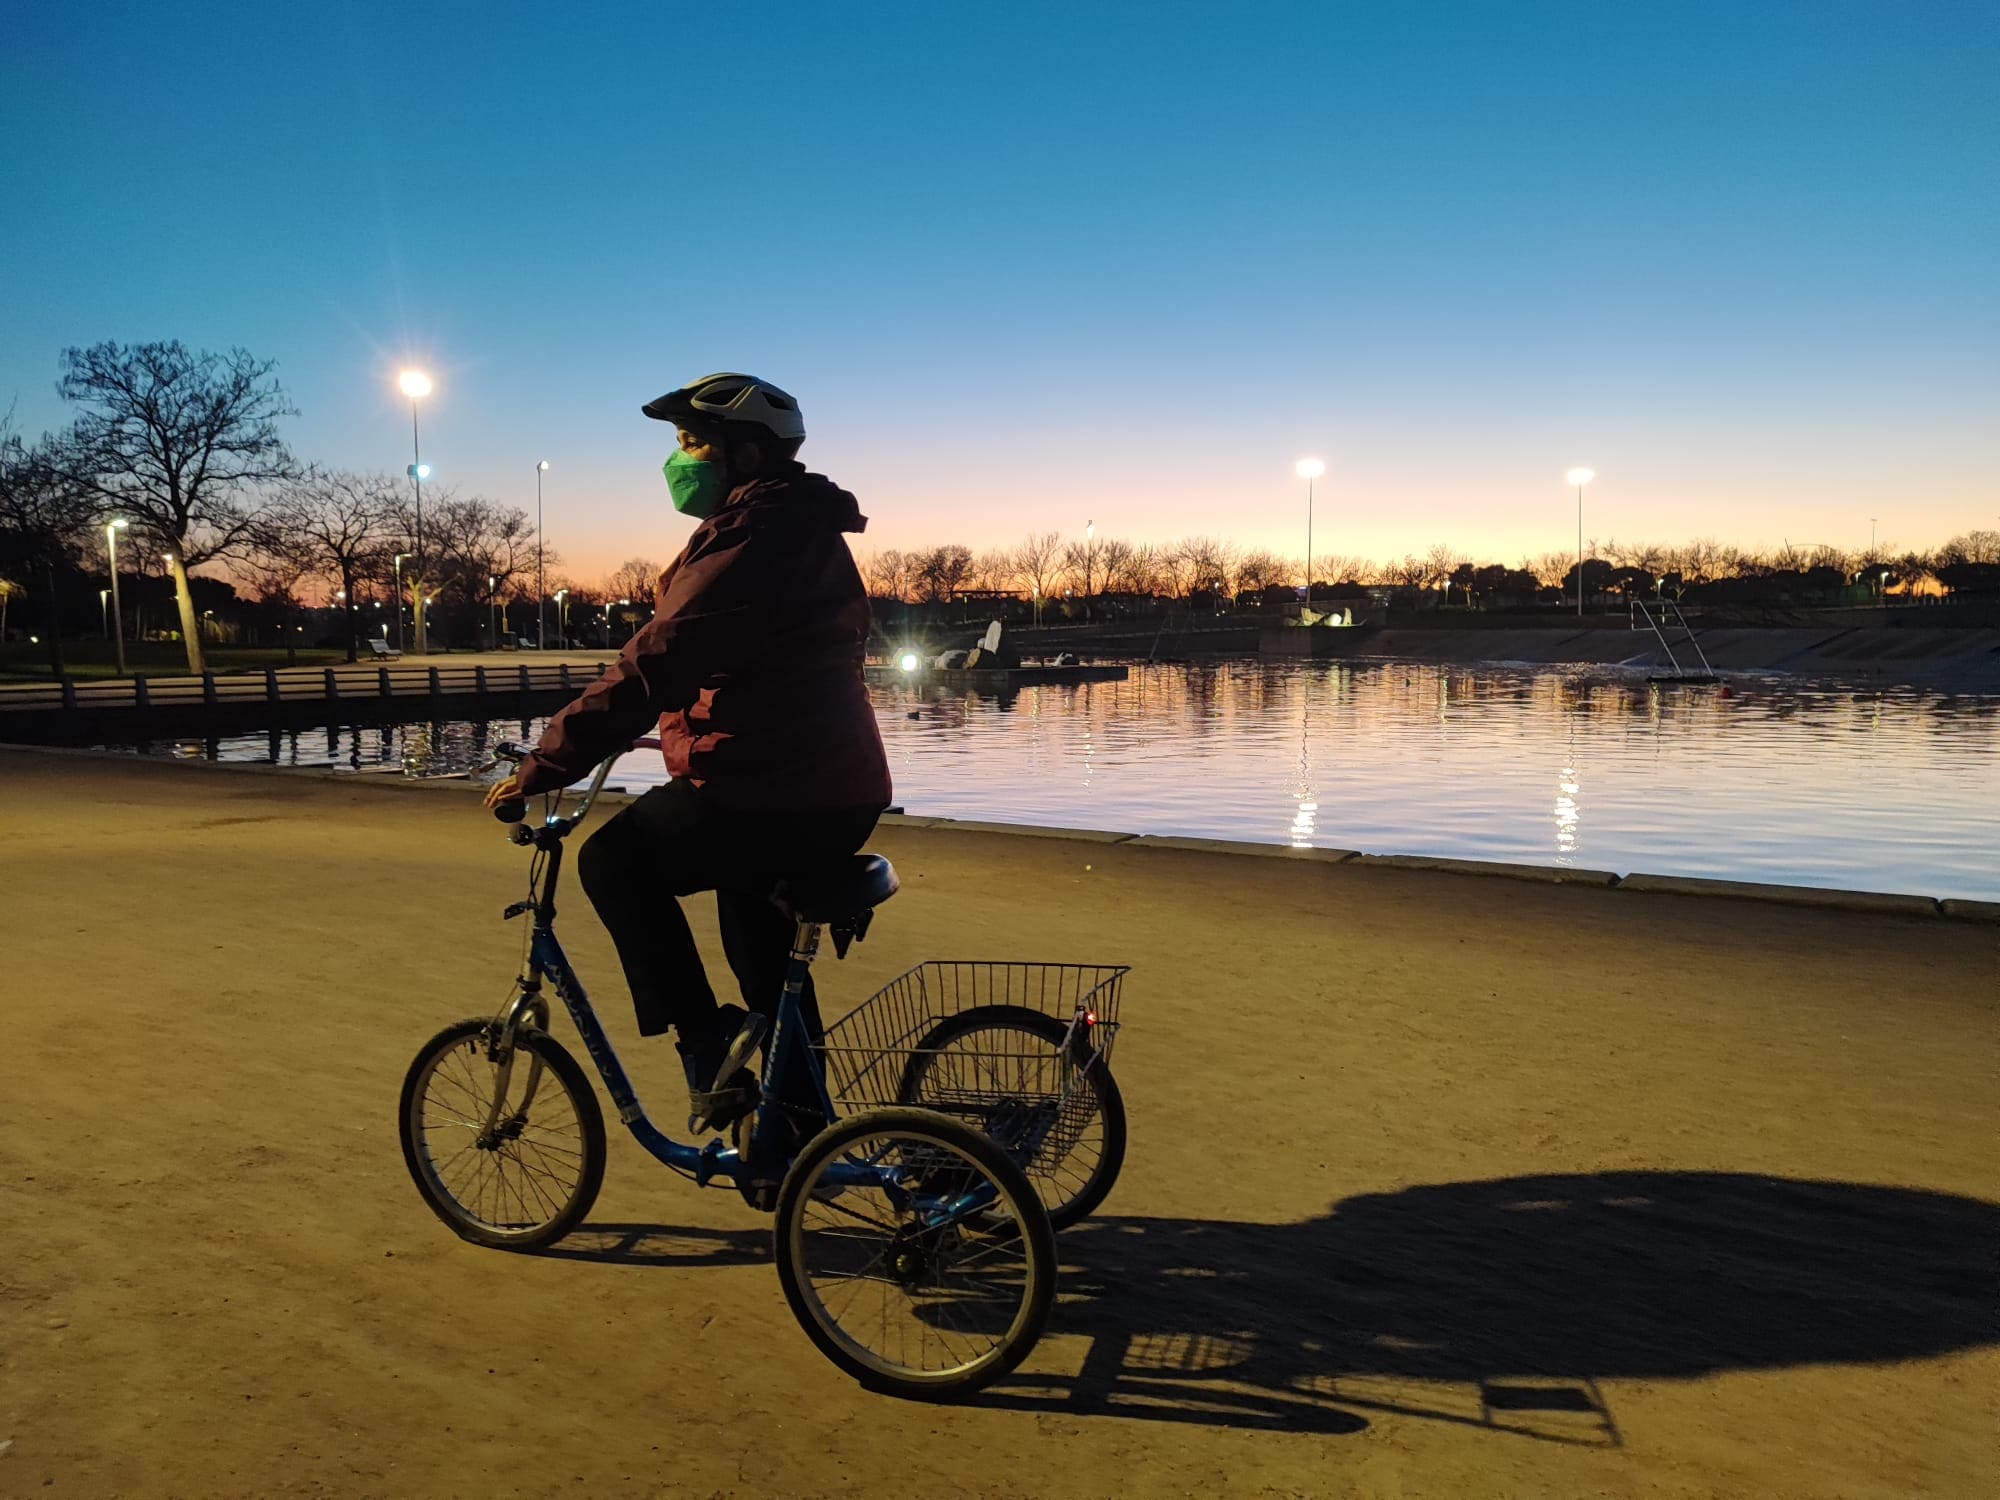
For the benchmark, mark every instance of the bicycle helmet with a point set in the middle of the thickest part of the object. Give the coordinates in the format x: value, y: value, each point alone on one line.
x: 731, y: 398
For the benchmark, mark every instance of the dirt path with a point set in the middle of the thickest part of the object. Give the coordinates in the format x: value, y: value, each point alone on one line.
x: 1438, y: 1187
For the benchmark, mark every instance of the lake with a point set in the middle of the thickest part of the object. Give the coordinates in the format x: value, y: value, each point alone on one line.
x: 1758, y: 778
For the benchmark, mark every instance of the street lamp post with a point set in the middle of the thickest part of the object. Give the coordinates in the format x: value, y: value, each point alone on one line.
x: 541, y: 577
x: 104, y: 611
x: 1309, y: 469
x: 1089, y: 531
x: 111, y: 531
x: 399, y: 600
x: 562, y: 615
x: 416, y: 385
x: 493, y: 606
x: 1580, y: 477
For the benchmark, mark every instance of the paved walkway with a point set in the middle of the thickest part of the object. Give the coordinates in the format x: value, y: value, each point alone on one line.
x: 1439, y: 1186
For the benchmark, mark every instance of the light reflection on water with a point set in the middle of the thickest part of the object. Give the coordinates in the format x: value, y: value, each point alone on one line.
x: 1767, y: 779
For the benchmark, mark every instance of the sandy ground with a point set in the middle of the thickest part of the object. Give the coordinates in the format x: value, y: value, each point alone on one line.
x: 1439, y: 1186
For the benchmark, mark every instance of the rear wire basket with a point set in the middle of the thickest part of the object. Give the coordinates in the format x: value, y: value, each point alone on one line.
x: 1022, y: 1081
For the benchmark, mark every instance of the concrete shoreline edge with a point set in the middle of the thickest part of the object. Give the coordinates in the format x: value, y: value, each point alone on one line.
x: 1884, y: 903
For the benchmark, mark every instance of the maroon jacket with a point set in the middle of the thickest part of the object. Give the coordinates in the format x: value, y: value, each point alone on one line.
x: 751, y: 663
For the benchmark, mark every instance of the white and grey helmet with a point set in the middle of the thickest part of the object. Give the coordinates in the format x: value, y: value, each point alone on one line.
x: 731, y: 398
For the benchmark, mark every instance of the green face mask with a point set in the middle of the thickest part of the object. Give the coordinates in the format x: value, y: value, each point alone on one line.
x: 698, y: 487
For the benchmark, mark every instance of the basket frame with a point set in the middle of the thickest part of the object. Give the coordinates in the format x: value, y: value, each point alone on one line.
x: 868, y: 1051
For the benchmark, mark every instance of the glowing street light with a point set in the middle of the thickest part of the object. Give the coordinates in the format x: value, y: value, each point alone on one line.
x: 111, y: 530
x: 541, y: 578
x: 562, y: 615
x: 104, y: 609
x: 908, y: 661
x: 493, y: 594
x: 416, y: 385
x: 1309, y: 469
x: 1579, y: 477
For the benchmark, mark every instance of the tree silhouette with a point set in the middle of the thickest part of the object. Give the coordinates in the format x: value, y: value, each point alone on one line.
x: 177, y: 442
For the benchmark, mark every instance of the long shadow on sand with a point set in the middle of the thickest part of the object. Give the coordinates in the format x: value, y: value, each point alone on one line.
x: 1499, y: 1304
x: 1504, y: 1303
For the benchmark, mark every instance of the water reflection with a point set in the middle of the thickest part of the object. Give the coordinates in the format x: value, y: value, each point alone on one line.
x: 1766, y: 779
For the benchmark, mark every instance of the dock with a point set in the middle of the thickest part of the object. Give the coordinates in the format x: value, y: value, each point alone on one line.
x: 146, y: 707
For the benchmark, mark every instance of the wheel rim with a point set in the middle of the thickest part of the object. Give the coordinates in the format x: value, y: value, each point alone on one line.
x: 1012, y: 1086
x: 521, y: 1179
x: 910, y: 1300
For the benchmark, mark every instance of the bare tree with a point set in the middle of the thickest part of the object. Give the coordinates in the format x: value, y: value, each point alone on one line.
x: 1083, y: 566
x: 1549, y: 568
x: 941, y: 572
x: 1178, y: 563
x: 1039, y: 561
x: 476, y: 549
x: 1259, y: 569
x: 44, y: 515
x: 1335, y: 568
x: 637, y: 579
x: 177, y: 442
x: 995, y: 569
x: 1971, y: 547
x: 1698, y: 561
x: 1209, y: 565
x: 887, y: 574
x: 338, y: 527
x: 1132, y: 570
x: 1789, y: 559
x: 1439, y: 564
x: 281, y: 561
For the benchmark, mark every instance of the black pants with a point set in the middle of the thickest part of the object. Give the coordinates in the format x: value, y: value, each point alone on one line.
x: 674, y: 842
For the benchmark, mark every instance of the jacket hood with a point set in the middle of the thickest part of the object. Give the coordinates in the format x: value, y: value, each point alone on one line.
x: 795, y: 493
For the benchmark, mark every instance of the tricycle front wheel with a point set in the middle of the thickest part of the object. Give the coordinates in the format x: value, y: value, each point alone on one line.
x: 518, y: 1176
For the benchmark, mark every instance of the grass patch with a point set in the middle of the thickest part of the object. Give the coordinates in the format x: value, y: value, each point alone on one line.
x: 93, y: 660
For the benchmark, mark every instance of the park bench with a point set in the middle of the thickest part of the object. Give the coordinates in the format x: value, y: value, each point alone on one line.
x: 383, y: 651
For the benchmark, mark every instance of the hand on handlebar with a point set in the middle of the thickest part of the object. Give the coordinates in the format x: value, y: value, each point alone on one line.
x: 507, y: 789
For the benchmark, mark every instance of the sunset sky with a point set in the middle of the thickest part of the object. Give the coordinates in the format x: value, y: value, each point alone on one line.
x: 1029, y: 265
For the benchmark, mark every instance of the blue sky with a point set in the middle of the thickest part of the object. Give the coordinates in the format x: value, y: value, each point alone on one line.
x: 1030, y: 264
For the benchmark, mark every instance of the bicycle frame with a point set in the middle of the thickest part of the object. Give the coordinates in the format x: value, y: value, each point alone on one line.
x: 787, y: 1049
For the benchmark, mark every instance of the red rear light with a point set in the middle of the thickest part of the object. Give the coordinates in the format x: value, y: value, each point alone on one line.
x: 1090, y: 1018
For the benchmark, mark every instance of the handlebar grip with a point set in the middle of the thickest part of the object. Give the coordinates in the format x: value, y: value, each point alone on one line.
x: 512, y: 811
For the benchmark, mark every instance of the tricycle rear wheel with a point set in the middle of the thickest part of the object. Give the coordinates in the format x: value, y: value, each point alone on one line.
x: 1002, y: 1070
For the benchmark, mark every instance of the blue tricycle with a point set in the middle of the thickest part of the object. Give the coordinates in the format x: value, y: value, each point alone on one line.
x: 971, y: 1105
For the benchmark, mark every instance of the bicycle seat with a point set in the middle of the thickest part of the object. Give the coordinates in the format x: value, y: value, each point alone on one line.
x: 836, y: 891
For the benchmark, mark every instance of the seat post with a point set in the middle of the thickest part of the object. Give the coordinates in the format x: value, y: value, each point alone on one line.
x: 805, y: 948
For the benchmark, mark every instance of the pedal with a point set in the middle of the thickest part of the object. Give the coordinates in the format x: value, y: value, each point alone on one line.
x: 748, y: 1036
x: 718, y: 1109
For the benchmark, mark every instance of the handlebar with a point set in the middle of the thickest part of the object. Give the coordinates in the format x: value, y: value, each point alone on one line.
x: 515, y: 809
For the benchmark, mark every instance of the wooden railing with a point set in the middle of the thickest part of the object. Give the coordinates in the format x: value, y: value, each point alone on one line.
x: 296, y: 685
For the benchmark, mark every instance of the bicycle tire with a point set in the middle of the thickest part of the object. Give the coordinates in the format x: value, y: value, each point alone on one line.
x: 576, y: 1197
x: 1018, y: 1205
x: 1065, y: 1208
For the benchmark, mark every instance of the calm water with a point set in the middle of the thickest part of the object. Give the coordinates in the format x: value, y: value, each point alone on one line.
x: 1767, y: 779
